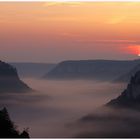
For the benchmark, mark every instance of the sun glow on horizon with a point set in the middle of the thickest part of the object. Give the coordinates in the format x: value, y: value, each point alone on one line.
x: 135, y: 49
x: 70, y: 30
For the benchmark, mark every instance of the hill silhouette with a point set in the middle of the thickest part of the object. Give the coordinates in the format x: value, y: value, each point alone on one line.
x: 106, y: 70
x: 7, y: 127
x: 130, y: 97
x: 10, y: 81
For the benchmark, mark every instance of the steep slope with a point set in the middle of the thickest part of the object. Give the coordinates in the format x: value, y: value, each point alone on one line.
x: 130, y: 97
x: 91, y: 69
x: 10, y: 81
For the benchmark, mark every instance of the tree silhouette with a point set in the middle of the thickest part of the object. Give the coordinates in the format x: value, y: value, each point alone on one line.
x: 7, y: 127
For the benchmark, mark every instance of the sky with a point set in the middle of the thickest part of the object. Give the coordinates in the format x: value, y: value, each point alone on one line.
x: 57, y: 31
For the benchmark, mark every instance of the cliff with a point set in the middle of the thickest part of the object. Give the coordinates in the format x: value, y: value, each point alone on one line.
x: 130, y: 97
x: 10, y: 81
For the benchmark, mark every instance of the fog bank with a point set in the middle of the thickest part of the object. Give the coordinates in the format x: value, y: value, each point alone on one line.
x: 56, y: 104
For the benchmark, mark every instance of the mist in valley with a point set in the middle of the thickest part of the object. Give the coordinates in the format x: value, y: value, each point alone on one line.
x: 56, y: 104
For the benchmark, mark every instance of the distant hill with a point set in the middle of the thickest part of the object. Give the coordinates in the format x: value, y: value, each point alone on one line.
x: 8, y: 128
x: 32, y: 70
x: 91, y: 69
x: 10, y: 81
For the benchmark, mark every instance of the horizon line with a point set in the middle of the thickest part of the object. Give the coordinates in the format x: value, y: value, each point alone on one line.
x: 72, y: 60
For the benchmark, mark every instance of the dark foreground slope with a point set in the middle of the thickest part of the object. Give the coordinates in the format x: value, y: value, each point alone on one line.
x: 8, y: 129
x: 91, y: 69
x: 119, y: 118
x: 10, y: 81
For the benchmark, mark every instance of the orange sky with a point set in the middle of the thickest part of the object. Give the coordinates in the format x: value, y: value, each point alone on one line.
x: 52, y: 32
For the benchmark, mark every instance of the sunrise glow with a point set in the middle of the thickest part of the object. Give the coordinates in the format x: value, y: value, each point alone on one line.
x: 76, y: 30
x: 134, y: 49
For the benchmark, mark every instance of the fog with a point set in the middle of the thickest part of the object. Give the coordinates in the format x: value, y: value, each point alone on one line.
x: 109, y: 123
x: 50, y: 110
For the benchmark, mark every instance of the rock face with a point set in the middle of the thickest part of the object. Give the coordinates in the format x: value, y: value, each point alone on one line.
x: 8, y: 129
x: 10, y: 81
x: 91, y: 69
x: 130, y: 97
